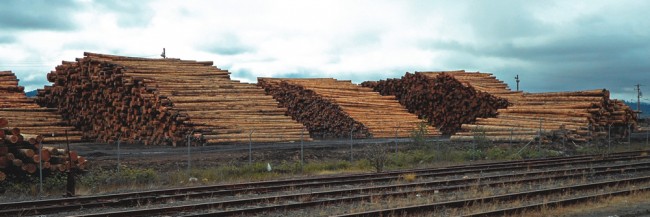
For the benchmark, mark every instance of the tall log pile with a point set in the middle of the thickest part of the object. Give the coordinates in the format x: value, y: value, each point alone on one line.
x: 20, y: 155
x: 163, y: 101
x: 513, y: 115
x: 24, y: 113
x: 441, y: 98
x: 330, y: 108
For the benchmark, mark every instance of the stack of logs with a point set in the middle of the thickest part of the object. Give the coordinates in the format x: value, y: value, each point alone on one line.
x: 509, y: 115
x: 163, y: 101
x: 19, y: 155
x: 577, y: 116
x: 443, y: 100
x: 24, y: 113
x: 330, y: 108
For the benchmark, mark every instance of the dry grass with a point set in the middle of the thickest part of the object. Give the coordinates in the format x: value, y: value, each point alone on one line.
x: 409, y: 177
x: 599, y: 207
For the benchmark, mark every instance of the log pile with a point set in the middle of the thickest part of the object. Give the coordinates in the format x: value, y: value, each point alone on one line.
x: 24, y: 113
x: 442, y: 98
x: 513, y: 115
x: 577, y: 116
x: 163, y: 101
x: 19, y: 155
x: 330, y: 108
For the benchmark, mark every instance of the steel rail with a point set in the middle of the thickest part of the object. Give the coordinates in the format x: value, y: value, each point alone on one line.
x: 126, y: 199
x: 386, y: 191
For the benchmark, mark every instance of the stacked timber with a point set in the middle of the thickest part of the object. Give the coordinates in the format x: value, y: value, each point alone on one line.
x: 513, y: 115
x: 330, y: 108
x: 24, y: 113
x: 441, y: 98
x: 163, y: 101
x: 20, y: 155
x: 574, y: 116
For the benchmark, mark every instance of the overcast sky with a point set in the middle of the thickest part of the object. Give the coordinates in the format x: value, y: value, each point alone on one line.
x: 552, y: 45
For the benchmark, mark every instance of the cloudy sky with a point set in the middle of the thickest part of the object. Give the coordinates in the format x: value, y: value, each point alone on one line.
x: 552, y: 45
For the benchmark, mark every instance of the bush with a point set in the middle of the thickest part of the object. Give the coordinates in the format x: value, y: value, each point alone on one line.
x: 496, y: 153
x: 377, y: 156
x: 418, y: 135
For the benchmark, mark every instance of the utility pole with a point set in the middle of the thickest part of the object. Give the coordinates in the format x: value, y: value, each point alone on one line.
x: 517, y: 80
x: 638, y: 100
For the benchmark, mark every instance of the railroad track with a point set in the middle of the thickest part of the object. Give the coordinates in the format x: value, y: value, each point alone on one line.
x: 453, y: 179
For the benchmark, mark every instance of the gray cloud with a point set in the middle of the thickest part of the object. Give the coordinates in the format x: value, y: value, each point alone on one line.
x: 129, y: 13
x: 38, y: 14
x: 503, y: 20
x: 588, y: 52
x: 226, y: 44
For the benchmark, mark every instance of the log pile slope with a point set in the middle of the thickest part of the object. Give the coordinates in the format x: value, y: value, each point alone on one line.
x: 330, y: 108
x: 20, y: 155
x: 163, y: 101
x: 24, y: 113
x: 444, y: 100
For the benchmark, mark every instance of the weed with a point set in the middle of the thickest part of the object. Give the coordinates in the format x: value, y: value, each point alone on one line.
x: 418, y: 135
x: 409, y: 177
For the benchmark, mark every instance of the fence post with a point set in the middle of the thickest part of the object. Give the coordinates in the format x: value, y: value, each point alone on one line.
x: 512, y: 132
x: 609, y: 138
x: 396, y: 129
x: 351, y: 132
x: 302, y: 147
x: 189, y: 154
x: 118, y: 153
x: 40, y: 169
x: 629, y: 134
x: 250, y: 147
x: 539, y: 146
x: 590, y: 137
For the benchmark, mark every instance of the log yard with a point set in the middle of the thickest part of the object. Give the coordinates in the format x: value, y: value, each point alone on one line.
x: 324, y: 108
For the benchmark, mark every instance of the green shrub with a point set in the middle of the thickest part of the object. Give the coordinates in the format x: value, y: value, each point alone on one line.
x: 418, y: 135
